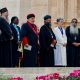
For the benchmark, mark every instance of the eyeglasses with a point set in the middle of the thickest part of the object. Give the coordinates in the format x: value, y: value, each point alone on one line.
x: 74, y: 22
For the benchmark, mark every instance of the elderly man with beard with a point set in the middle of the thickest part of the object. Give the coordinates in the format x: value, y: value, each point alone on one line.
x: 47, y: 43
x: 73, y: 44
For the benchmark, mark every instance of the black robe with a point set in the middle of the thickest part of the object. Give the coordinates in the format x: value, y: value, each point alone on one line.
x: 15, y: 52
x: 46, y: 51
x: 5, y: 44
x: 73, y: 53
x: 29, y: 59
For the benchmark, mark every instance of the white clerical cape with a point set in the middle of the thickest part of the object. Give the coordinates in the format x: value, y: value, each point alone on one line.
x: 60, y: 51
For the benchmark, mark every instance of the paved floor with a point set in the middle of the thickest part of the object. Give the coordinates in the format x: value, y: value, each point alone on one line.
x: 31, y: 73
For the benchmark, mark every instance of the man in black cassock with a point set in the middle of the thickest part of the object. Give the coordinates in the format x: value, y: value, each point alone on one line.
x: 47, y: 43
x: 30, y: 41
x: 73, y: 44
x: 16, y: 41
x: 5, y: 40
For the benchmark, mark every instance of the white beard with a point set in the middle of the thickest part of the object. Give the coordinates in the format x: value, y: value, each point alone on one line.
x: 74, y: 30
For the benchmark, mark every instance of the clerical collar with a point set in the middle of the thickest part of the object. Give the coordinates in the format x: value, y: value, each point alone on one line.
x: 59, y: 27
x: 30, y: 23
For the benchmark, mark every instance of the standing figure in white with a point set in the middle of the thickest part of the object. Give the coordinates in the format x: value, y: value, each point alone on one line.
x: 60, y: 58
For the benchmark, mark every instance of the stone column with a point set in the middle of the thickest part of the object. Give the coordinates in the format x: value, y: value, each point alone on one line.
x: 25, y: 7
x: 65, y: 10
x: 60, y: 8
x: 52, y: 9
x: 40, y: 8
x: 12, y: 5
x: 56, y: 9
x: 78, y: 10
x: 72, y: 9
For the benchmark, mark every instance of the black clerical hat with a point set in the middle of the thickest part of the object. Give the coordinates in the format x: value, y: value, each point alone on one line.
x: 30, y: 16
x: 3, y: 10
x: 47, y: 17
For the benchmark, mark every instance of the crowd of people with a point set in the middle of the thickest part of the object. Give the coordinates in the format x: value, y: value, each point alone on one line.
x: 27, y: 46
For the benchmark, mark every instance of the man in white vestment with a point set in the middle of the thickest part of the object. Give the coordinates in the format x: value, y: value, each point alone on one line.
x: 60, y: 51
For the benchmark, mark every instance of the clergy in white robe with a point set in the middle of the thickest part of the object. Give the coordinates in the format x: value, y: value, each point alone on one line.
x: 60, y: 51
